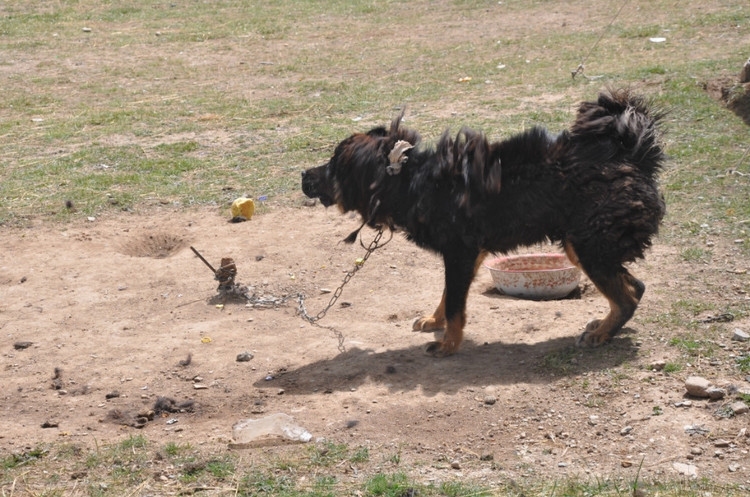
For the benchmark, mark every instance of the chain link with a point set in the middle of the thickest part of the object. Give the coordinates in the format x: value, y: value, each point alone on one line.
x: 301, y: 310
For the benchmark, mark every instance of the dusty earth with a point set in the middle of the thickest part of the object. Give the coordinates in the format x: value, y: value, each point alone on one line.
x: 118, y: 304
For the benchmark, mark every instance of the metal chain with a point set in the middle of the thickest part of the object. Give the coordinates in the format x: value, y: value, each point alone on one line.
x: 374, y: 245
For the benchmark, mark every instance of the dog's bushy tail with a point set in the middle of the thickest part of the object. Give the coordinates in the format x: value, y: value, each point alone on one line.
x: 627, y: 119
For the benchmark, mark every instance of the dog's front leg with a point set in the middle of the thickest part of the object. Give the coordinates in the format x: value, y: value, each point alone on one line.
x: 461, y: 264
x: 436, y: 321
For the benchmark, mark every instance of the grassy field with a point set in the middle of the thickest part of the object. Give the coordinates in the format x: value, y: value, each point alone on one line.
x: 122, y: 106
x: 117, y: 107
x: 135, y: 466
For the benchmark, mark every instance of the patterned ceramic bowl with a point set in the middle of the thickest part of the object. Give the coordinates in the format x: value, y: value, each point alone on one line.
x: 534, y: 276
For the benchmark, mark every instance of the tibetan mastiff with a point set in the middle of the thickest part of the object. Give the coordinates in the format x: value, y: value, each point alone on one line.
x: 591, y: 188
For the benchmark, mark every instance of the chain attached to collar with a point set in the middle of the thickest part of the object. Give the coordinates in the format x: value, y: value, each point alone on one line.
x: 374, y: 245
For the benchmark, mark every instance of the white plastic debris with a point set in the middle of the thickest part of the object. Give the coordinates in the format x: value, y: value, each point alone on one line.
x: 274, y: 425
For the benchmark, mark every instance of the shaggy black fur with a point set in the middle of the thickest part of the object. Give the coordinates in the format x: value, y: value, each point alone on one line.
x: 592, y: 189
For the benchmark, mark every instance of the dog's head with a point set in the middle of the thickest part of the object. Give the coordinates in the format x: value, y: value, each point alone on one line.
x: 359, y: 167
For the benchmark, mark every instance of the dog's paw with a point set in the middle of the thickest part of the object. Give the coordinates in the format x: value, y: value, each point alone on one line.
x: 427, y: 323
x: 438, y: 349
x: 590, y: 338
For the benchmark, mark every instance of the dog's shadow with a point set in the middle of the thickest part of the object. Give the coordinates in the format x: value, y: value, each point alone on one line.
x: 498, y: 363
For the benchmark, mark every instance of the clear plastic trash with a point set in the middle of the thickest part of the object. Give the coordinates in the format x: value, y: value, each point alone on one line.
x: 274, y: 425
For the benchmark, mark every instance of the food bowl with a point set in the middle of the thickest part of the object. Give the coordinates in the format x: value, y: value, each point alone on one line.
x: 534, y: 276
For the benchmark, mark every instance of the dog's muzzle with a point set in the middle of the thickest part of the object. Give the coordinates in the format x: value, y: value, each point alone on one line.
x: 314, y: 185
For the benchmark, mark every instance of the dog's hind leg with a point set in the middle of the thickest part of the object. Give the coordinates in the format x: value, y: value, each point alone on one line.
x: 621, y: 289
x: 460, y: 269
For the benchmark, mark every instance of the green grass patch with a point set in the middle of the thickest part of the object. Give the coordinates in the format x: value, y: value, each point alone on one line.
x: 743, y: 363
x: 672, y: 367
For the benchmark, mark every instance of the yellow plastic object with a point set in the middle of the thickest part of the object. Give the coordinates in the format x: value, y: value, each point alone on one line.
x: 243, y: 207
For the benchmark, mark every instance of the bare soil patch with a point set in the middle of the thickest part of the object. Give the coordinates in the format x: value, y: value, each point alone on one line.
x: 120, y: 306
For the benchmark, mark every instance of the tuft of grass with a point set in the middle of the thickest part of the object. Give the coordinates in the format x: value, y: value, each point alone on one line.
x: 672, y: 367
x: 133, y: 442
x: 743, y: 363
x: 695, y: 254
x: 328, y: 453
x: 360, y: 455
x: 389, y: 485
x: 262, y: 483
x: 463, y: 489
x: 24, y: 458
x: 560, y: 362
x: 693, y: 347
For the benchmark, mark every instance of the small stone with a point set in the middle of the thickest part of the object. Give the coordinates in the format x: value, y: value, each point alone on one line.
x: 626, y: 430
x: 721, y: 443
x: 696, y: 451
x: 739, y: 408
x: 86, y: 30
x: 733, y: 468
x: 22, y: 345
x: 697, y: 386
x: 716, y: 393
x: 200, y: 386
x: 658, y: 365
x: 626, y: 463
x: 740, y: 336
x: 562, y: 465
x: 490, y: 400
x: 455, y: 464
x: 685, y: 469
x: 112, y: 395
x: 245, y: 357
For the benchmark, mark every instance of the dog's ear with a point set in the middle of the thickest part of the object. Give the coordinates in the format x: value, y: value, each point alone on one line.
x: 397, y: 132
x: 396, y: 123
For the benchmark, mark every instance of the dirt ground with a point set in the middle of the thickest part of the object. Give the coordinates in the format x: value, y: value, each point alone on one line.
x: 108, y: 314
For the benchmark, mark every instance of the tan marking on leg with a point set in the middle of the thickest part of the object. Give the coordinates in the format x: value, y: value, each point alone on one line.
x: 454, y: 330
x: 454, y: 335
x: 600, y: 331
x: 434, y: 322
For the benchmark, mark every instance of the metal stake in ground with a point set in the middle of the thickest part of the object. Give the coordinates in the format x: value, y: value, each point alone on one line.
x: 225, y: 274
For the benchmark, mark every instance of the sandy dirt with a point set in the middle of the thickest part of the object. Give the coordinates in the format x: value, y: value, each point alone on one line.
x: 115, y: 306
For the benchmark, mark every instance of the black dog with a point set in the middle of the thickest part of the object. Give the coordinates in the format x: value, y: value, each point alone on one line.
x: 591, y: 188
